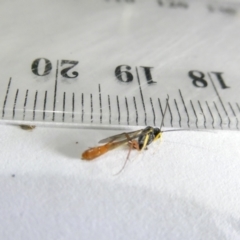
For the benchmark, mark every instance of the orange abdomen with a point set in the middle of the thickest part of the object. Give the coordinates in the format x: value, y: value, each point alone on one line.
x: 95, y: 152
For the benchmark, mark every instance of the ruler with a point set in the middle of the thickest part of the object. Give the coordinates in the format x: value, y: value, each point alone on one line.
x: 113, y: 63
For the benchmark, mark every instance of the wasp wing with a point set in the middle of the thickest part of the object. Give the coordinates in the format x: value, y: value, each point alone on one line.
x: 122, y: 136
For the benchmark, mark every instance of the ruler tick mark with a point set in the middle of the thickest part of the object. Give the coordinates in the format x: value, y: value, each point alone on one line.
x: 118, y: 107
x: 171, y: 117
x: 136, y: 111
x: 180, y: 119
x: 238, y: 107
x: 210, y: 114
x: 100, y: 102
x: 140, y: 89
x: 126, y: 102
x: 194, y: 113
x: 91, y: 100
x: 73, y: 105
x: 184, y: 107
x: 233, y: 114
x: 6, y: 96
x: 154, y: 117
x: 215, y: 105
x: 64, y: 101
x: 216, y: 91
x: 44, y: 105
x: 35, y: 103
x: 25, y: 104
x: 202, y: 114
x: 15, y: 102
x: 55, y: 93
x: 82, y: 106
x: 109, y: 108
x: 161, y: 109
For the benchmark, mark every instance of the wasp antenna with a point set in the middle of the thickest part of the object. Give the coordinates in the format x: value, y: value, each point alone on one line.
x: 125, y: 163
x: 164, y: 112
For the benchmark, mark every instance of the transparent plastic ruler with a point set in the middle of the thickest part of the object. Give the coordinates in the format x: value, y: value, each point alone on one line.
x: 113, y: 63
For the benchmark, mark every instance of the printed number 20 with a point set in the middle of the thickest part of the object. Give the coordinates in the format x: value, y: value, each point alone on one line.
x: 48, y: 67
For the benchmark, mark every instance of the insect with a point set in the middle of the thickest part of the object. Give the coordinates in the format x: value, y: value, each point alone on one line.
x: 138, y: 140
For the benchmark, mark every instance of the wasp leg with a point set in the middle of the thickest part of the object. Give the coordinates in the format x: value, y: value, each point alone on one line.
x: 132, y: 144
x: 135, y: 145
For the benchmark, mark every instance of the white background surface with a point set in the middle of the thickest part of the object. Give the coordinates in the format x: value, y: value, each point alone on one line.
x: 187, y: 187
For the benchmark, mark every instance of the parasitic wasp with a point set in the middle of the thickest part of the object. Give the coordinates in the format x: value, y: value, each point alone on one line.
x: 138, y: 140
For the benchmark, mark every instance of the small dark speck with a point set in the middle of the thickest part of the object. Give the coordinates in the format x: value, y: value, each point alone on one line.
x: 76, y: 142
x: 27, y: 127
x: 13, y: 175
